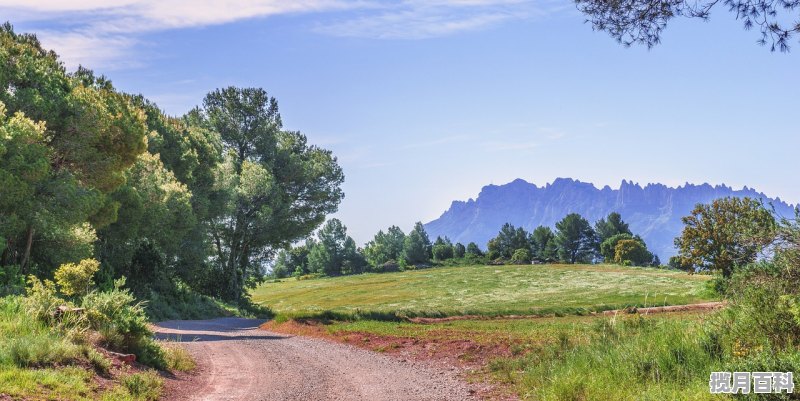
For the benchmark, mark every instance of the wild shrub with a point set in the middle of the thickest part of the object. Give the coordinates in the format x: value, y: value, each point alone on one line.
x: 41, y: 300
x: 99, y: 362
x: 76, y: 279
x: 143, y: 386
x: 122, y: 323
x: 177, y: 358
x: 136, y: 387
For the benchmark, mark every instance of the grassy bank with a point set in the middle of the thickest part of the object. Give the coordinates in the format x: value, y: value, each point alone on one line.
x: 484, y: 290
x: 39, y: 361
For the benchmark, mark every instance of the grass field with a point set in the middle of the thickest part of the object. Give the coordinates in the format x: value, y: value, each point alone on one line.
x: 486, y: 290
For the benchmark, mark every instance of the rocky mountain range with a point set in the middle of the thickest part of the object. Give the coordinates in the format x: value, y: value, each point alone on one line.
x: 653, y: 211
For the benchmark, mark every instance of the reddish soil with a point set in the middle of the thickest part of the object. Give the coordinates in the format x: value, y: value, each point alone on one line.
x: 238, y: 361
x: 464, y: 356
x: 649, y: 310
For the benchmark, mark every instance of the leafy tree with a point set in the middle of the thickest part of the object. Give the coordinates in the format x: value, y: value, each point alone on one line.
x: 575, y: 239
x: 335, y: 252
x: 277, y: 188
x: 385, y: 247
x: 642, y: 21
x: 543, y: 245
x: 416, y: 246
x: 293, y: 261
x: 610, y: 226
x: 521, y: 256
x: 442, y: 249
x: 608, y: 247
x: 459, y: 250
x: 508, y: 240
x: 91, y: 135
x: 632, y: 252
x: 154, y: 209
x: 474, y: 250
x: 727, y: 233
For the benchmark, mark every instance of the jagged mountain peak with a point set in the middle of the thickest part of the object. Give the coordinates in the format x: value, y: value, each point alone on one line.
x: 654, y: 211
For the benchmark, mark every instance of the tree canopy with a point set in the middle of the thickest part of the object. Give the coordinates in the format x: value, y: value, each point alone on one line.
x: 205, y: 199
x: 724, y: 234
x: 642, y: 21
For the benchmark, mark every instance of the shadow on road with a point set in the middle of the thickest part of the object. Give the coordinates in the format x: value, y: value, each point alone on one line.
x: 222, y: 329
x: 192, y: 337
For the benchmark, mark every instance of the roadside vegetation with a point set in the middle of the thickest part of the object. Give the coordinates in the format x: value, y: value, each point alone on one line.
x: 67, y: 340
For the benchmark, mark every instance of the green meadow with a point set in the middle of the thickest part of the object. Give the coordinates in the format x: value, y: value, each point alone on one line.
x: 486, y: 290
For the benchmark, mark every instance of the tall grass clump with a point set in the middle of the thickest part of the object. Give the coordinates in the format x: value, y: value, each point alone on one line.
x: 631, y: 358
x: 122, y: 324
x: 28, y: 342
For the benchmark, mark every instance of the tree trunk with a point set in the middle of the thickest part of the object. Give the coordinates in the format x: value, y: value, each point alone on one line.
x: 26, y: 256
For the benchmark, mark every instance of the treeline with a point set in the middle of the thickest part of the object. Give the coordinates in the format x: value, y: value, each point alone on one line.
x: 201, y: 201
x: 332, y: 252
x: 574, y: 240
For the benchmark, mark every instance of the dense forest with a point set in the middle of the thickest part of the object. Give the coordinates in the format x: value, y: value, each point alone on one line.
x: 199, y: 202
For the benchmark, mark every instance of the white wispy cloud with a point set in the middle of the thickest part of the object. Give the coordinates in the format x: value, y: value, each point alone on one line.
x: 107, y: 33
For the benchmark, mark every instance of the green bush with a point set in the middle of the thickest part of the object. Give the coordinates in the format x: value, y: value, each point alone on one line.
x: 76, y: 279
x: 122, y: 323
x: 12, y: 281
x: 41, y: 300
x: 521, y: 256
x: 136, y: 387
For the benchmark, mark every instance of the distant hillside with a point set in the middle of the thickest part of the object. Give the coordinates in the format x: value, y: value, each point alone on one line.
x: 653, y: 211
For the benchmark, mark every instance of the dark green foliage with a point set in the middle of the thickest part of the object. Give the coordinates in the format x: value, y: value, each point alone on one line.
x: 204, y: 200
x: 543, y: 246
x: 416, y: 246
x: 335, y: 252
x: 442, y: 249
x: 277, y: 188
x: 459, y: 250
x: 293, y: 261
x: 610, y: 226
x: 508, y: 240
x: 385, y: 246
x: 642, y: 21
x: 474, y: 250
x: 575, y: 239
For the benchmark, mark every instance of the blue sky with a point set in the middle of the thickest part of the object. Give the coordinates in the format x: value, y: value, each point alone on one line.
x: 425, y: 102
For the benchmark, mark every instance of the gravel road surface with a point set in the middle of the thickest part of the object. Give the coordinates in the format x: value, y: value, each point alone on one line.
x: 238, y: 361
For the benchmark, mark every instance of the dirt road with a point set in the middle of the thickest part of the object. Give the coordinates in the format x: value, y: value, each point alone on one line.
x: 238, y: 361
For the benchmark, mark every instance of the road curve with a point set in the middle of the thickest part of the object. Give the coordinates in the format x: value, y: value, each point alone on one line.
x: 238, y: 361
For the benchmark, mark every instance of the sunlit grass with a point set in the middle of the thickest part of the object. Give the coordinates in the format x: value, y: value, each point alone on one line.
x: 487, y: 290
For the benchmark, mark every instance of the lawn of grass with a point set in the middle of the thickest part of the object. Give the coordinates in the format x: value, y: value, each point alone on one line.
x: 486, y: 290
